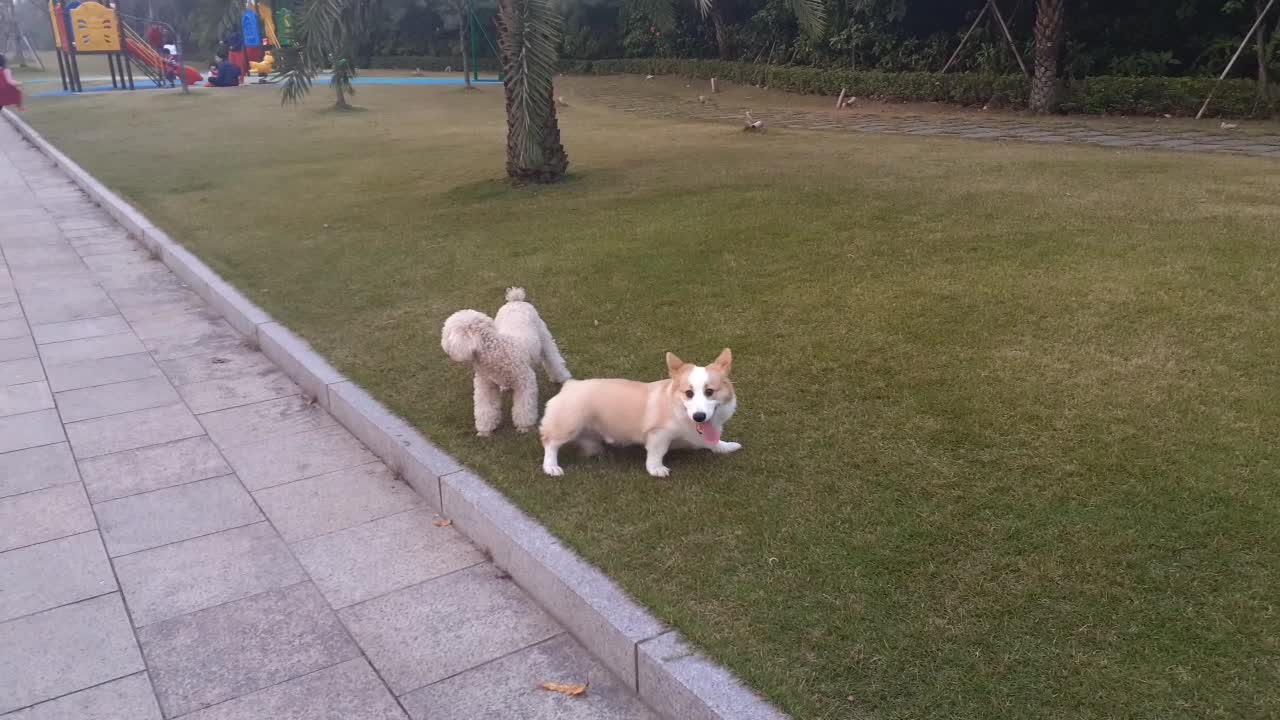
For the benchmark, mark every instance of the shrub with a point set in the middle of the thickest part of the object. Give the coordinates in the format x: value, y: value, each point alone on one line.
x: 1107, y: 94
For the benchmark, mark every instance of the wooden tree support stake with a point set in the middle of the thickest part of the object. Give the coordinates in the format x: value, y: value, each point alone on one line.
x: 713, y: 86
x: 965, y: 39
x: 1013, y: 47
x: 840, y: 100
x: 1261, y: 16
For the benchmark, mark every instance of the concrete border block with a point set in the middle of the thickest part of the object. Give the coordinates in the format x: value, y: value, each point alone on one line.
x: 188, y: 268
x: 679, y: 682
x: 593, y: 608
x: 293, y: 354
x: 124, y: 213
x: 654, y: 661
x: 392, y: 439
x: 239, y: 311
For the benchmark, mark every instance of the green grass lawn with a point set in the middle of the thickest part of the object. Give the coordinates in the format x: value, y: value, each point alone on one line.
x: 1010, y: 411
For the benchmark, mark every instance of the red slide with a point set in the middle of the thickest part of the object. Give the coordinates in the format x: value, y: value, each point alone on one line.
x: 144, y: 54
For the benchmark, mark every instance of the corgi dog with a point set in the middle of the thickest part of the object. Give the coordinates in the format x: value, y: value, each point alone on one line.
x: 687, y: 410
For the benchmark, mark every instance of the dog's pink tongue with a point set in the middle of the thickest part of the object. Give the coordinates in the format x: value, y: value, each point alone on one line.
x: 710, y: 433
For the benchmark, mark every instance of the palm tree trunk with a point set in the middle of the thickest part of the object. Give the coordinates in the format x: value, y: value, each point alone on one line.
x: 340, y: 101
x: 529, y: 35
x: 721, y: 28
x: 1049, y: 22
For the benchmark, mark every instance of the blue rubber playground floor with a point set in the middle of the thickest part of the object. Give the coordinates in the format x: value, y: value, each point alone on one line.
x: 320, y: 80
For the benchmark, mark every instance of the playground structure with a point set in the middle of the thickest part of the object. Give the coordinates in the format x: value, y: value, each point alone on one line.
x: 258, y: 38
x: 91, y: 28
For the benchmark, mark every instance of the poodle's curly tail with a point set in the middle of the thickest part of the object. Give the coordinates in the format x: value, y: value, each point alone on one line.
x: 515, y: 294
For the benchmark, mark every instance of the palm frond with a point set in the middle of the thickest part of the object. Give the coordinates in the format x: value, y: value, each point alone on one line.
x: 296, y: 74
x: 530, y: 40
x: 704, y: 7
x: 320, y: 22
x: 812, y: 15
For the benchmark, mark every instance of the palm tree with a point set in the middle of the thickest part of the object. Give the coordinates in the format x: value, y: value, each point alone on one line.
x: 1049, y: 22
x: 529, y: 38
x: 325, y: 31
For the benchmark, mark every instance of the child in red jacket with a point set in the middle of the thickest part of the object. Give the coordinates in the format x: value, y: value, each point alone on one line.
x: 10, y: 89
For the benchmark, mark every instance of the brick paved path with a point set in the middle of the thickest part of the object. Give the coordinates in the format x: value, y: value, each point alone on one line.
x: 1042, y: 130
x: 183, y: 535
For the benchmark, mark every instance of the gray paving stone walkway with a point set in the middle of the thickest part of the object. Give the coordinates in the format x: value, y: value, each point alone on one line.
x: 1066, y: 130
x: 183, y: 535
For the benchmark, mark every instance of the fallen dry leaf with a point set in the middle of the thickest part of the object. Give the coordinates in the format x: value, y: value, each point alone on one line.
x: 442, y: 522
x: 570, y: 689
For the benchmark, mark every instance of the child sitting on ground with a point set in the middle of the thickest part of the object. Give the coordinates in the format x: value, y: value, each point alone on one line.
x: 226, y: 74
x: 10, y: 89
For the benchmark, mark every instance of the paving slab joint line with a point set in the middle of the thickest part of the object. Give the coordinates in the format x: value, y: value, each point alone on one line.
x: 646, y: 655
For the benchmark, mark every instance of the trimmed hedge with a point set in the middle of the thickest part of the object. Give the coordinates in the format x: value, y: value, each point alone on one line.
x: 1112, y: 95
x: 428, y: 63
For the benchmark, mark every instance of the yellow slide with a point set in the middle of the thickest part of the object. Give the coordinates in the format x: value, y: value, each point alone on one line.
x: 268, y: 23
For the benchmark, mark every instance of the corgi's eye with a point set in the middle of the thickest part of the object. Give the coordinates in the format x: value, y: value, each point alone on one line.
x: 688, y: 394
x: 708, y: 392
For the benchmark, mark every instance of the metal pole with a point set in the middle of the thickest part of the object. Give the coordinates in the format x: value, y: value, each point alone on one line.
x: 111, y: 66
x: 128, y: 67
x: 1235, y: 57
x: 965, y: 39
x: 62, y: 70
x: 71, y: 51
x: 27, y: 41
x: 75, y: 71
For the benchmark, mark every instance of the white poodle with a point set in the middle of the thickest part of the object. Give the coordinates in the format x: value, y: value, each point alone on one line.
x: 503, y: 351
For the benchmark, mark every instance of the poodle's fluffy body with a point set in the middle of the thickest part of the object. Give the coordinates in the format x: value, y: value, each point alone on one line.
x: 504, y: 352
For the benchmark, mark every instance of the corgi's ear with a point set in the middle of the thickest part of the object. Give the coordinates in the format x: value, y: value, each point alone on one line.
x: 674, y: 364
x: 724, y: 361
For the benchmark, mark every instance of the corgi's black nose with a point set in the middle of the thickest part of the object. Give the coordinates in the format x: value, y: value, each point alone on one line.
x: 699, y: 417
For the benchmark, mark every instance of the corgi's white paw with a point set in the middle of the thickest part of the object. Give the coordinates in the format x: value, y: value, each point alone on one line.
x: 553, y: 470
x: 523, y: 428
x: 484, y: 433
x: 724, y: 448
x: 659, y: 471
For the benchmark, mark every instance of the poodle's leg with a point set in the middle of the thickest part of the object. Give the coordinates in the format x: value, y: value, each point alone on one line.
x: 656, y: 448
x: 524, y: 401
x: 488, y: 406
x: 552, y: 360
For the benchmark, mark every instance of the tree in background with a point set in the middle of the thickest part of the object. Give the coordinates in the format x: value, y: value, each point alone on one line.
x: 463, y: 9
x: 529, y: 40
x: 811, y: 15
x: 1264, y: 42
x: 10, y: 35
x: 1048, y: 43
